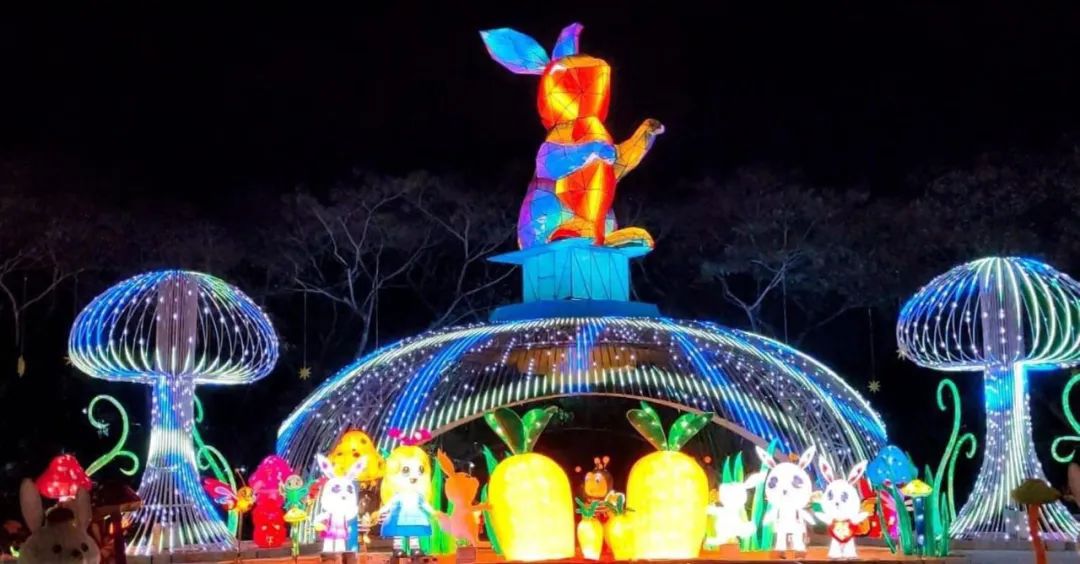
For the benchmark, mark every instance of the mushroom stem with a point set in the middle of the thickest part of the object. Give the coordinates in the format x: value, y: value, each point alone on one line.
x: 171, y: 492
x: 920, y: 523
x: 117, y: 524
x: 1008, y: 459
x: 1033, y: 528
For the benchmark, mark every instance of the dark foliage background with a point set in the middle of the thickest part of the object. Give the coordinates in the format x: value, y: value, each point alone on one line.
x: 821, y: 162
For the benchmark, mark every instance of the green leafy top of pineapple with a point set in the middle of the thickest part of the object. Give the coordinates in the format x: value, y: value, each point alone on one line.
x: 647, y: 422
x: 586, y: 510
x: 519, y: 433
x: 616, y: 504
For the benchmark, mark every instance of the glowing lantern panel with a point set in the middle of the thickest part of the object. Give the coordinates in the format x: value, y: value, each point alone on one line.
x: 532, y: 507
x: 668, y: 491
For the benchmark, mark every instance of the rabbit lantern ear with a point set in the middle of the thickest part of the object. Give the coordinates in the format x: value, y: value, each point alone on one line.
x: 807, y: 457
x: 325, y: 465
x: 82, y: 509
x: 356, y: 469
x: 856, y: 472
x: 767, y: 459
x: 445, y: 463
x: 826, y: 470
x: 518, y: 52
x: 30, y: 502
x: 567, y: 43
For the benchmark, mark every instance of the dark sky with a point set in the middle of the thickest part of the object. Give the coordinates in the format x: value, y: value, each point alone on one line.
x: 191, y: 102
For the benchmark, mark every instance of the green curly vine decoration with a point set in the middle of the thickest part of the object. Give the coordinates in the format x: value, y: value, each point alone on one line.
x: 956, y: 443
x: 118, y: 450
x: 208, y: 458
x: 1073, y: 423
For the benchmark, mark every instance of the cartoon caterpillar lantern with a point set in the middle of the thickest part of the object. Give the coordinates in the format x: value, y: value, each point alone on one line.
x: 579, y: 164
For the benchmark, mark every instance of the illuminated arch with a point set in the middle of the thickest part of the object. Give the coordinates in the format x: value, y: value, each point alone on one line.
x: 757, y: 387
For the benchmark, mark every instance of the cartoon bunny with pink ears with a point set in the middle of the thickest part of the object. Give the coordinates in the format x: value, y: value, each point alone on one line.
x: 788, y: 489
x: 840, y: 506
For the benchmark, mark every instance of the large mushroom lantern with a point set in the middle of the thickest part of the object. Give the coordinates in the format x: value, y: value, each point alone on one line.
x: 1004, y: 317
x: 173, y: 330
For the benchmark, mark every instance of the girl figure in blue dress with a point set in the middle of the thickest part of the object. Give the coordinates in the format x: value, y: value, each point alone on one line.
x: 406, y: 497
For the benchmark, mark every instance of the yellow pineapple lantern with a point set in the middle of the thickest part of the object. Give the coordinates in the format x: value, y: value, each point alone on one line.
x: 590, y: 532
x: 532, y: 509
x: 668, y: 491
x: 619, y: 529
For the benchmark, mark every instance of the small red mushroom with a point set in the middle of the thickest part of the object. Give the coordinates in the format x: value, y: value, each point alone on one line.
x: 63, y: 479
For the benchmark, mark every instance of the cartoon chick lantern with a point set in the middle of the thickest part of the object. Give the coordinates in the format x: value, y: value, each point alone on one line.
x: 406, y: 493
x: 353, y: 445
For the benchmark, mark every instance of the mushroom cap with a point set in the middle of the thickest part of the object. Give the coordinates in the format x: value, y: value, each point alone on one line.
x: 268, y: 476
x: 63, y: 478
x: 1034, y: 492
x: 173, y: 324
x: 916, y: 489
x: 891, y: 465
x: 1031, y: 309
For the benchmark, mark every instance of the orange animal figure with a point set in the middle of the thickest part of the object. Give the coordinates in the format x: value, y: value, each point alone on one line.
x: 579, y: 164
x: 461, y: 490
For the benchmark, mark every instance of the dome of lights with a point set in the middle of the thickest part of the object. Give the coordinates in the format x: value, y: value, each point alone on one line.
x: 757, y: 387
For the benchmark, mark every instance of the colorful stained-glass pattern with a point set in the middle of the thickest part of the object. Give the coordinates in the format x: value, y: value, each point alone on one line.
x: 1003, y: 317
x: 579, y: 164
x: 758, y: 388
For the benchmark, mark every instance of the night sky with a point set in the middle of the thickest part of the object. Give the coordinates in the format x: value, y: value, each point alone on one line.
x: 218, y: 108
x: 196, y: 103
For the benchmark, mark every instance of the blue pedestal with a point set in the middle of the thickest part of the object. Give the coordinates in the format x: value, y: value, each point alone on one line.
x: 574, y: 278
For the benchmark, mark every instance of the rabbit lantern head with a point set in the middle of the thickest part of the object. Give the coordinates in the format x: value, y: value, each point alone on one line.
x: 59, y: 537
x: 579, y: 164
x: 788, y: 483
x: 572, y: 85
x: 338, y: 495
x: 788, y: 489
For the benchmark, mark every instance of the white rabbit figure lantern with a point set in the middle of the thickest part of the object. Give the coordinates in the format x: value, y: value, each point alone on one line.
x: 788, y: 490
x: 729, y: 512
x: 338, y: 503
x: 841, y: 509
x: 59, y: 537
